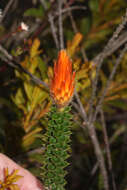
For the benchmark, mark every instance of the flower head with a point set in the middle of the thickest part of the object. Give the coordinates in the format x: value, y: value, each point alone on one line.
x: 62, y: 84
x: 24, y: 26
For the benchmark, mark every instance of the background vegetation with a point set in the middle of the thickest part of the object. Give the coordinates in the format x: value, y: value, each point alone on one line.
x: 95, y: 37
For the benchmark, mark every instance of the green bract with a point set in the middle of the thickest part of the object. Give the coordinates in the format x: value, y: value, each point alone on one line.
x: 56, y: 148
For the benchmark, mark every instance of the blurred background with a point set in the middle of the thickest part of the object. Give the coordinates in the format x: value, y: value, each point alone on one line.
x: 87, y: 26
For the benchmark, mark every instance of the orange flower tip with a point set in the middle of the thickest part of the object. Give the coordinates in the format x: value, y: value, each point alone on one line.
x: 62, y: 84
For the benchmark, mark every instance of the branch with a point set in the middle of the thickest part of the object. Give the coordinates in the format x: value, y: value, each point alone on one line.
x: 107, y: 148
x: 114, y: 46
x: 96, y: 145
x: 111, y: 46
x: 109, y: 81
x: 60, y: 3
x: 117, y: 32
x: 13, y: 63
x: 75, y: 29
x: 43, y: 4
x: 53, y: 29
x: 82, y: 110
x: 6, y: 10
x: 99, y: 155
x: 68, y: 9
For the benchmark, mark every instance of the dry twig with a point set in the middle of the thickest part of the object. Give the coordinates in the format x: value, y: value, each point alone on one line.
x: 53, y: 29
x: 60, y: 3
x: 6, y: 10
x: 118, y: 61
x: 13, y: 63
x: 107, y: 149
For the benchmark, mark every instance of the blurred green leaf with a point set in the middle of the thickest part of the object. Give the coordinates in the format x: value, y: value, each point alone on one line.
x: 35, y: 12
x: 118, y: 104
x: 85, y: 25
x: 42, y: 67
x: 94, y: 5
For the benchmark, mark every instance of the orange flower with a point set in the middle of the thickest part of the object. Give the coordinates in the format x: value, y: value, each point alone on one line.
x: 62, y: 84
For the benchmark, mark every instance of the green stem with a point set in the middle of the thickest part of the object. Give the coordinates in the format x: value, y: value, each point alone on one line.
x: 57, y: 147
